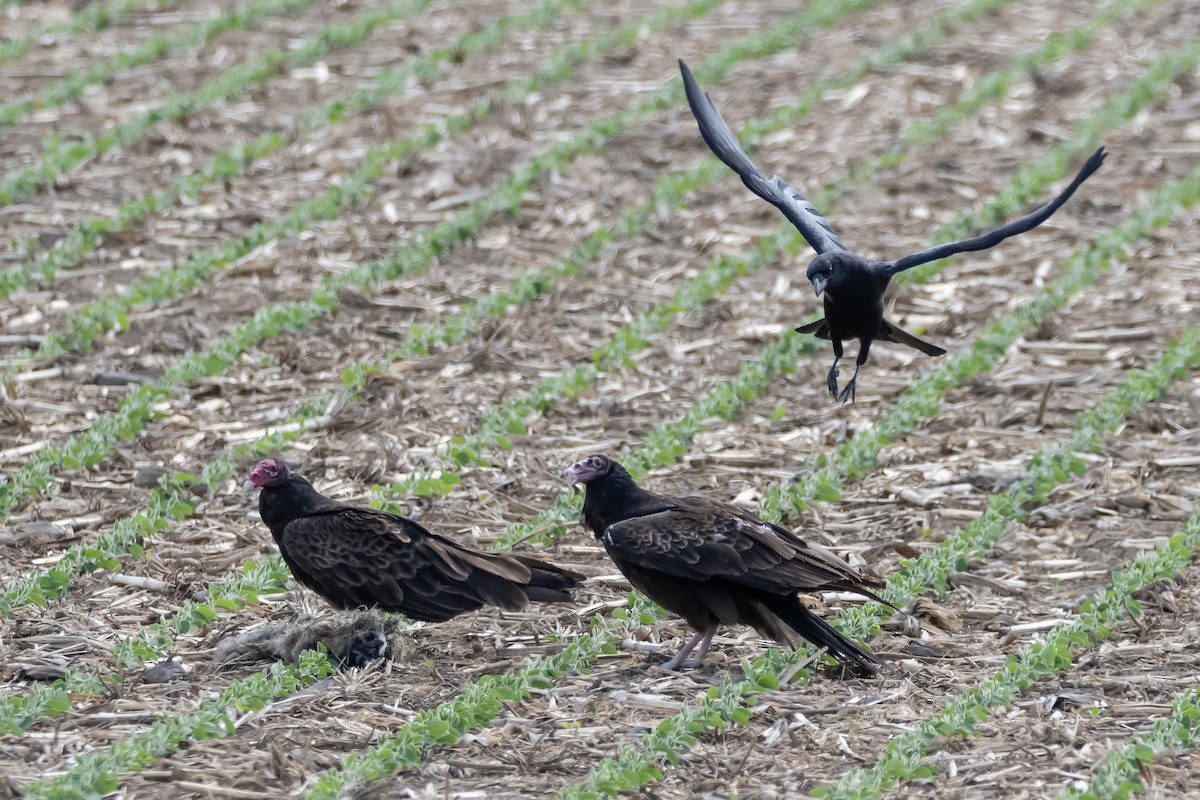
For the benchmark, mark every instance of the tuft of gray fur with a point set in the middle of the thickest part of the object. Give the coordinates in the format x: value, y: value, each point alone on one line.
x: 353, y: 639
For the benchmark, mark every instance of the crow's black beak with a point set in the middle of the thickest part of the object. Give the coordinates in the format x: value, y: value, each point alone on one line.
x: 819, y: 282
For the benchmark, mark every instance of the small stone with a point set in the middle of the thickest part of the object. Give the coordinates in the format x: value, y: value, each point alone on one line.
x: 147, y: 477
x: 165, y: 672
x: 34, y: 534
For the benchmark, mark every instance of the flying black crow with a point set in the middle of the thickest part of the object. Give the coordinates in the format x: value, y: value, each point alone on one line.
x: 853, y: 285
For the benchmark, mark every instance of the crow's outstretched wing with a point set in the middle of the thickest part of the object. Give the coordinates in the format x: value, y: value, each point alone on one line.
x: 988, y: 240
x: 720, y: 139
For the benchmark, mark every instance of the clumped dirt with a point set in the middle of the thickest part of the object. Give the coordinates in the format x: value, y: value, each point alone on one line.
x: 1137, y: 492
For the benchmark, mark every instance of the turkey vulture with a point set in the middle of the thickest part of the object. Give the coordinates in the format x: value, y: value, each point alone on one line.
x: 716, y: 564
x: 363, y: 557
x: 853, y: 285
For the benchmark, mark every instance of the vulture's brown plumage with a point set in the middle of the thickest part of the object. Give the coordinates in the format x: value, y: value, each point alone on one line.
x: 363, y: 557
x: 716, y: 564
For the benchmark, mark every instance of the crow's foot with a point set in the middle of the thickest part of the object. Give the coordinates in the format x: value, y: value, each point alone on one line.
x: 848, y: 392
x: 832, y: 382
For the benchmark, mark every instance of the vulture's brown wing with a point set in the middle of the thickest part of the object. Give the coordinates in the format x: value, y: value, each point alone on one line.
x: 700, y: 540
x: 362, y: 557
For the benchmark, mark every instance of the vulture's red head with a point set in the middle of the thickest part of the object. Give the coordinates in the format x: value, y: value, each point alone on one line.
x: 592, y: 468
x: 268, y: 472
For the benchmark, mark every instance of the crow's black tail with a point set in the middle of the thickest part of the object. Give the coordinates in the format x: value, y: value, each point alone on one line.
x: 889, y: 332
x: 820, y: 633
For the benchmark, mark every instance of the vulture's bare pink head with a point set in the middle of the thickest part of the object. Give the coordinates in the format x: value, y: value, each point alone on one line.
x: 590, y: 469
x: 268, y: 472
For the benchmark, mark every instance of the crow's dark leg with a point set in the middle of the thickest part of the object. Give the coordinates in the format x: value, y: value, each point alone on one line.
x: 677, y: 661
x: 703, y: 651
x: 863, y: 350
x: 833, y: 371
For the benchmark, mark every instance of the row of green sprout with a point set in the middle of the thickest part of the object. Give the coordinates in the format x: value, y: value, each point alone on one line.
x: 138, y: 406
x: 60, y: 157
x: 906, y: 756
x: 1123, y: 771
x: 156, y: 47
x: 90, y: 18
x: 391, y: 82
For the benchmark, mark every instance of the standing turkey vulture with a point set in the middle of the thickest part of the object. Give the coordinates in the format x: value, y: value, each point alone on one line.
x: 716, y: 564
x: 362, y: 557
x: 853, y: 284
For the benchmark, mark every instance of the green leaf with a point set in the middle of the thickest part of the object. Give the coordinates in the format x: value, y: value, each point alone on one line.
x: 1143, y: 753
x: 439, y: 731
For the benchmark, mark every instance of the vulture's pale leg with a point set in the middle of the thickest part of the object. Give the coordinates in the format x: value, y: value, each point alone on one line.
x: 677, y: 661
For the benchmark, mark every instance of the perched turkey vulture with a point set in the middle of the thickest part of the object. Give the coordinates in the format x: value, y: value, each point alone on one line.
x: 716, y: 564
x: 362, y: 557
x: 853, y: 285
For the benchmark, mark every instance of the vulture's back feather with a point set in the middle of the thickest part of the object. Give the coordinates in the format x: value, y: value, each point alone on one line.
x: 356, y: 557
